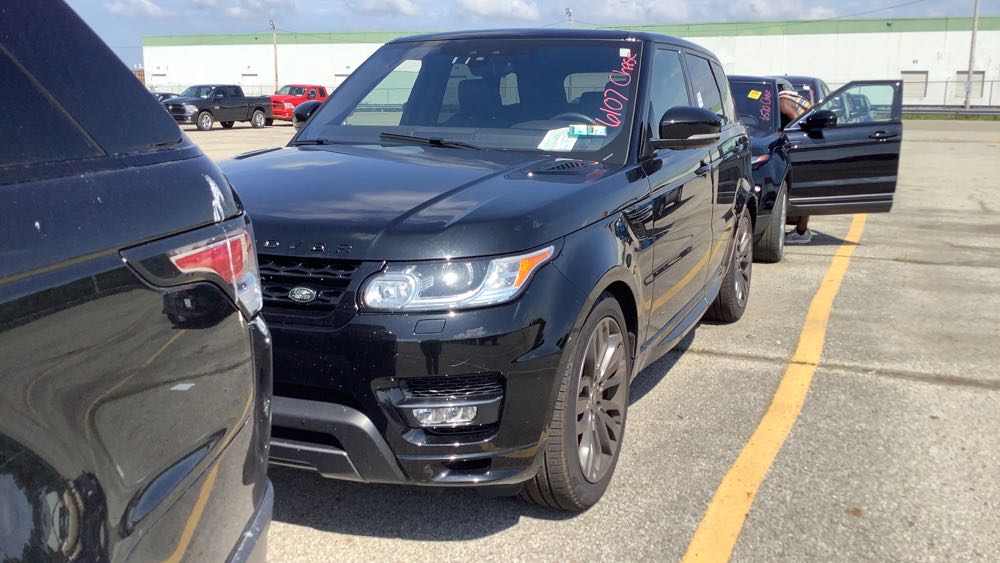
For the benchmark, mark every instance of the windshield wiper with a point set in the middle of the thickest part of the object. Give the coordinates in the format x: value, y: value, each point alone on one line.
x: 319, y: 141
x: 432, y: 141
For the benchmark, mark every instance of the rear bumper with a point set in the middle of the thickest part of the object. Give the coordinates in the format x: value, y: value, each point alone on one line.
x: 252, y: 546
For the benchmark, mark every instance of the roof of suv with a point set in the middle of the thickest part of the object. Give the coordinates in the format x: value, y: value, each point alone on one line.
x: 606, y: 34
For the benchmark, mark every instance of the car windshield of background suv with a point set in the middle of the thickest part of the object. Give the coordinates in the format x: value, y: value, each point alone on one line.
x: 547, y: 95
x: 757, y: 105
x: 292, y: 91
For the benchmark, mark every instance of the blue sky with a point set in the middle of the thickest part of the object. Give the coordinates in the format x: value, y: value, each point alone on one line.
x: 122, y: 23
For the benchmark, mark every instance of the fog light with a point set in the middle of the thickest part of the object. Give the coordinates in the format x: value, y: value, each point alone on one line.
x: 438, y: 416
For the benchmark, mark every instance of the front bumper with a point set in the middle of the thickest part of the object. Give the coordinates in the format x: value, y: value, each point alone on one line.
x: 282, y: 113
x: 188, y: 119
x: 342, y: 393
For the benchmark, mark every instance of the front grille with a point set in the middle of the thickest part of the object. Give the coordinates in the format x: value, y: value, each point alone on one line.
x: 457, y: 387
x: 176, y: 108
x: 329, y: 278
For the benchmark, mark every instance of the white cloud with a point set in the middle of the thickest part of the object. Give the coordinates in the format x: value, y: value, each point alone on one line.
x: 137, y: 9
x: 614, y: 12
x: 385, y: 7
x: 769, y: 10
x: 512, y: 9
x: 246, y: 9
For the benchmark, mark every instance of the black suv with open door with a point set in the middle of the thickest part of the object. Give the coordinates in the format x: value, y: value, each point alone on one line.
x: 475, y: 243
x: 135, y: 369
x: 841, y: 156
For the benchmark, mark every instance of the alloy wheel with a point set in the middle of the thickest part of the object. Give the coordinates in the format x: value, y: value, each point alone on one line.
x: 743, y: 261
x: 783, y: 202
x: 206, y: 121
x: 600, y: 403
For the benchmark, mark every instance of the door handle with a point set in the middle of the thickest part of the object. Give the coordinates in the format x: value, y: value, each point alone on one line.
x: 882, y: 135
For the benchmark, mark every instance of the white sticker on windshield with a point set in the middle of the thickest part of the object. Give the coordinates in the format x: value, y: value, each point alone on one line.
x: 558, y: 140
x: 585, y: 130
x: 624, y: 53
x: 701, y: 103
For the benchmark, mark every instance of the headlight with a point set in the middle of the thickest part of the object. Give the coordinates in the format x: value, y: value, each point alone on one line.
x: 188, y: 108
x: 454, y: 284
x: 289, y: 105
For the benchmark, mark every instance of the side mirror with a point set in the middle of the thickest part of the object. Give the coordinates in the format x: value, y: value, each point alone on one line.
x: 821, y: 119
x: 312, y: 95
x: 217, y: 97
x: 303, y: 112
x: 684, y: 127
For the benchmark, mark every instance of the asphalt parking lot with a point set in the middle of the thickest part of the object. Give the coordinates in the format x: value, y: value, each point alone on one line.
x: 894, y: 455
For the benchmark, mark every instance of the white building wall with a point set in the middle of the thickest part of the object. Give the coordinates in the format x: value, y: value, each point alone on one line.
x: 837, y: 58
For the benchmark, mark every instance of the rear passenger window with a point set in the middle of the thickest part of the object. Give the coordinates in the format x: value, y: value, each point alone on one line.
x: 668, y: 87
x: 43, y: 132
x: 706, y: 91
x: 727, y: 97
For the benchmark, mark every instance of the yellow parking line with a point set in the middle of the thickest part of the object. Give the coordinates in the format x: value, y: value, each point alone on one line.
x: 720, y: 527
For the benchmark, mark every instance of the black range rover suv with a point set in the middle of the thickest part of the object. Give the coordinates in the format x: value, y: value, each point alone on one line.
x: 470, y: 249
x: 135, y: 369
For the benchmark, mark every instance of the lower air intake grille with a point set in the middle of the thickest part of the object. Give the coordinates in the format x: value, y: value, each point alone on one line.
x: 328, y: 278
x: 457, y: 387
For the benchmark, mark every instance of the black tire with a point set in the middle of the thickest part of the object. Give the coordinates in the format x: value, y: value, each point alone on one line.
x: 269, y: 121
x: 227, y: 124
x: 257, y: 119
x: 561, y: 482
x: 204, y: 121
x: 729, y: 305
x: 771, y: 246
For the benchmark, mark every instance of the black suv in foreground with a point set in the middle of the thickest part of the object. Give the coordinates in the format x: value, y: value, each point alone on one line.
x: 841, y: 156
x: 471, y: 248
x: 134, y: 366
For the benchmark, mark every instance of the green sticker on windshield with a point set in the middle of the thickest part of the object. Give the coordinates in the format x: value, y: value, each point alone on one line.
x: 584, y: 130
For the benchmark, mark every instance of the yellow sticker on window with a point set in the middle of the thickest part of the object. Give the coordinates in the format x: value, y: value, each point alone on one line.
x: 754, y: 94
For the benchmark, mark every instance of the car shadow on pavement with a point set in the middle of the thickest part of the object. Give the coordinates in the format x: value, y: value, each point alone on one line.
x: 823, y: 239
x: 647, y: 379
x: 395, y: 511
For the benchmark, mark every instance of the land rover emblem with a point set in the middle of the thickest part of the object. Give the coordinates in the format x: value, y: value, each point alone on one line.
x: 302, y: 294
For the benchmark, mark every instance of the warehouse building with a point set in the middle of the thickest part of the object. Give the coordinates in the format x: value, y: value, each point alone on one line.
x: 931, y: 55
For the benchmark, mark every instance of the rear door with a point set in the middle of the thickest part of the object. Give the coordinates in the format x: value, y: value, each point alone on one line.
x: 850, y: 167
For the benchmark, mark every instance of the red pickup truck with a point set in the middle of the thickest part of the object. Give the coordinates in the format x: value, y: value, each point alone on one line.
x: 283, y: 101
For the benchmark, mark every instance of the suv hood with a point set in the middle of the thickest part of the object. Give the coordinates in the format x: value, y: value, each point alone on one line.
x: 418, y: 203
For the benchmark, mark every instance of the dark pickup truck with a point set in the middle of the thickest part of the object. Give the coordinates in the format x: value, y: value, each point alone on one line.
x: 205, y: 104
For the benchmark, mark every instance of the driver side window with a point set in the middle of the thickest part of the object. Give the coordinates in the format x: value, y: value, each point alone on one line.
x: 863, y: 103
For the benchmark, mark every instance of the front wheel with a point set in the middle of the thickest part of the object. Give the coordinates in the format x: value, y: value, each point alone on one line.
x: 729, y: 305
x: 588, y: 422
x: 771, y: 246
x: 205, y: 121
x: 257, y: 119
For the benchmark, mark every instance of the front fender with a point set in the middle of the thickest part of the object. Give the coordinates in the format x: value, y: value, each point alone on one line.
x: 602, y: 256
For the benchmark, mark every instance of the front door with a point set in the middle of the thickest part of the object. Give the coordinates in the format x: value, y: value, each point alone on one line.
x: 850, y: 166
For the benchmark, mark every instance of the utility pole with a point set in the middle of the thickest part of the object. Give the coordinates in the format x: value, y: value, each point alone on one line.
x: 972, y: 57
x: 274, y: 42
x: 569, y: 16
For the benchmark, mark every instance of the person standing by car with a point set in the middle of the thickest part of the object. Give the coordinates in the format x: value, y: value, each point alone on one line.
x: 791, y: 105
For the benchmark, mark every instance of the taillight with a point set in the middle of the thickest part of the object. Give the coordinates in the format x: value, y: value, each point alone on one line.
x: 231, y: 257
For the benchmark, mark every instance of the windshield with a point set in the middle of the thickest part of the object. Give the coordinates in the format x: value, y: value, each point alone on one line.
x: 197, y: 91
x: 757, y: 105
x: 292, y: 90
x: 551, y: 96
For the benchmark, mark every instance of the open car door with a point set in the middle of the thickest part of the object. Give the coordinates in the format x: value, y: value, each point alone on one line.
x: 845, y: 151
